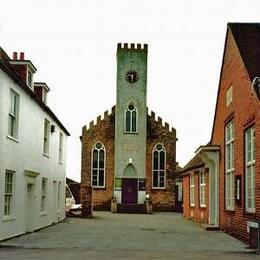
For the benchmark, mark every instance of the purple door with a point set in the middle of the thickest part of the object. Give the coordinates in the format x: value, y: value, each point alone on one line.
x: 129, y: 191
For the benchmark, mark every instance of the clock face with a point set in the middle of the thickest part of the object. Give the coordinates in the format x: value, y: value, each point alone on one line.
x: 131, y: 76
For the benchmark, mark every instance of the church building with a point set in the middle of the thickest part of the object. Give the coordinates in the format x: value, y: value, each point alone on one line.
x: 128, y: 155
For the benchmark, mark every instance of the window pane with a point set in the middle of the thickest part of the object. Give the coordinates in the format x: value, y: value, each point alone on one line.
x: 128, y: 119
x: 95, y: 158
x: 162, y: 160
x: 101, y: 178
x: 155, y: 160
x: 134, y: 121
x: 155, y: 178
x: 101, y: 159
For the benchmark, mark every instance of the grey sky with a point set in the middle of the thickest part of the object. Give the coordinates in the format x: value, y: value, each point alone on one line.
x: 73, y: 45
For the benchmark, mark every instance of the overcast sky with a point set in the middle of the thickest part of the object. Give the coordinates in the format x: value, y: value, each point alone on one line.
x: 73, y: 44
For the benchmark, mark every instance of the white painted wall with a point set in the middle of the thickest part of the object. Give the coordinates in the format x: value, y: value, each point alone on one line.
x: 26, y: 154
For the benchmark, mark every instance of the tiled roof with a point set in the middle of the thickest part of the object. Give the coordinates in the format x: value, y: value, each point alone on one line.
x: 247, y: 37
x: 7, y: 68
x: 194, y: 163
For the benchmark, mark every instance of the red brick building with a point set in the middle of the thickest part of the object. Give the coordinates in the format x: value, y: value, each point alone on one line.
x: 129, y: 155
x: 195, y: 179
x: 233, y: 154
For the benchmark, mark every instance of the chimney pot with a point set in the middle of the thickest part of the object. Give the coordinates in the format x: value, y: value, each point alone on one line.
x: 21, y: 55
x: 14, y: 55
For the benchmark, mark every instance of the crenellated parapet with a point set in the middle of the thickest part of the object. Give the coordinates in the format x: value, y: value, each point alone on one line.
x: 104, y: 117
x: 159, y: 121
x: 132, y: 46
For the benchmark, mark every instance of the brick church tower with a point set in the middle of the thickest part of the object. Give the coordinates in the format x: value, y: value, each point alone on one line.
x: 129, y: 155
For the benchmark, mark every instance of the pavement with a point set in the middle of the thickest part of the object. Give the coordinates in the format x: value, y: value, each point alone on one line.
x: 126, y: 236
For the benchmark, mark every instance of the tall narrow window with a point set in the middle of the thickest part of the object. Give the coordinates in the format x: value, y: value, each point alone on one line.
x: 46, y: 139
x: 229, y: 149
x: 61, y: 148
x: 159, y: 163
x: 13, y: 115
x: 98, y: 165
x: 192, y: 190
x: 202, y: 180
x: 250, y: 169
x: 131, y: 119
x: 9, y: 179
x: 43, y: 195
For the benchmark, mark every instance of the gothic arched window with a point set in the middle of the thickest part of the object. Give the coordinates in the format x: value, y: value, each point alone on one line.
x: 159, y: 163
x: 131, y: 119
x: 98, y: 165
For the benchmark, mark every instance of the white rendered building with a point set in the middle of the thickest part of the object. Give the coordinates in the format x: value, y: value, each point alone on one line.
x: 32, y: 152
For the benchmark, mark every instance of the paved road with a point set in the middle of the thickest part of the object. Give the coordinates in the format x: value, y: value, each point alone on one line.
x: 125, y: 236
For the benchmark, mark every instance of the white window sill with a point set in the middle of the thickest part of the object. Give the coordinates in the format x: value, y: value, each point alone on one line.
x: 43, y: 213
x: 8, y: 218
x: 248, y: 210
x: 158, y: 188
x: 12, y: 138
x: 203, y: 206
x: 192, y: 205
x: 98, y: 187
x: 46, y: 155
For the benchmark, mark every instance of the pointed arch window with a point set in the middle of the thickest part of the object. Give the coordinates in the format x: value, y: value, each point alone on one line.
x: 98, y: 166
x: 131, y: 119
x: 159, y: 163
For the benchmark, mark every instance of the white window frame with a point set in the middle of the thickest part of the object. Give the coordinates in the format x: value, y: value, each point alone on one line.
x: 229, y: 96
x: 159, y: 170
x: 192, y: 189
x: 250, y: 170
x: 13, y: 115
x: 30, y: 80
x: 9, y: 193
x: 61, y: 148
x: 202, y: 182
x: 46, y: 137
x: 98, y: 169
x: 229, y: 166
x: 131, y: 119
x: 44, y: 194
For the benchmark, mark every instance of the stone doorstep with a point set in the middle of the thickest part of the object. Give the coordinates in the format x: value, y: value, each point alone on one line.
x: 208, y: 227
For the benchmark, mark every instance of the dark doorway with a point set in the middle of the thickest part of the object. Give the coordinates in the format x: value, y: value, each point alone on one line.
x: 129, y: 191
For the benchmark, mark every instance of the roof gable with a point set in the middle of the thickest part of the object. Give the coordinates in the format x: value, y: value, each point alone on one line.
x: 247, y: 38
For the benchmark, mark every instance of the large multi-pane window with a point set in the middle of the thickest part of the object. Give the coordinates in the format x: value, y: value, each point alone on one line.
x: 13, y: 115
x: 98, y: 165
x: 44, y: 194
x: 61, y: 148
x: 202, y: 181
x: 46, y: 138
x: 250, y: 169
x: 192, y: 190
x: 229, y: 168
x: 159, y: 165
x: 131, y: 119
x: 8, y: 196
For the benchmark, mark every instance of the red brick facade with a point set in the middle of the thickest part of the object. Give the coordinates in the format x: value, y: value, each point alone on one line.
x: 197, y: 212
x: 244, y: 111
x: 104, y: 131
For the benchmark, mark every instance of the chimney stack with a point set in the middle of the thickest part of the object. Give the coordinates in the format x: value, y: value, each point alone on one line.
x: 14, y: 55
x: 21, y: 55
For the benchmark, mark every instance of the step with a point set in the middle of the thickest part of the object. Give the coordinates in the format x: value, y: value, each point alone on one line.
x: 131, y: 208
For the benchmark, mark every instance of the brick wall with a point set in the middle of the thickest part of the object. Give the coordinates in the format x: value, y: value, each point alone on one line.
x: 196, y: 213
x: 163, y: 200
x: 103, y: 131
x: 244, y: 111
